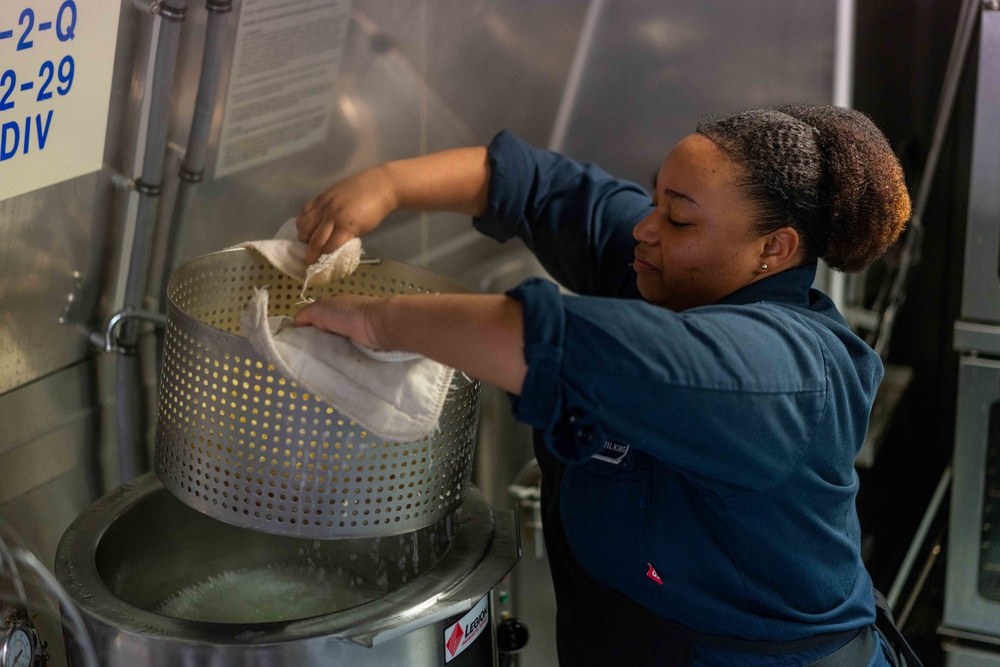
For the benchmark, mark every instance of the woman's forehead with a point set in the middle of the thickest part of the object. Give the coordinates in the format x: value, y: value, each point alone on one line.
x: 696, y: 165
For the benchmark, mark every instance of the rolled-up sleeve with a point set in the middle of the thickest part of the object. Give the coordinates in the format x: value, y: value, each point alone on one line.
x: 730, y: 392
x: 574, y: 217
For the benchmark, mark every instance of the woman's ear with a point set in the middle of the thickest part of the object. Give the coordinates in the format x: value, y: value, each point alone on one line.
x: 780, y: 249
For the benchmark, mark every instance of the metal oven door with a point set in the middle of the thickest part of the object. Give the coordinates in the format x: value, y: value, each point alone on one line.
x: 972, y: 600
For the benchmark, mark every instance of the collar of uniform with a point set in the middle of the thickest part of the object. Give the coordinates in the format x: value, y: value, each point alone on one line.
x: 789, y: 287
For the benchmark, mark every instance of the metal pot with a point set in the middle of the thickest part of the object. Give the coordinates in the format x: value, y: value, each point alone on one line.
x: 159, y: 583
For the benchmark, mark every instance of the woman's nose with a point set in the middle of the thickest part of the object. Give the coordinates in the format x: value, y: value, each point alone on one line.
x: 645, y: 231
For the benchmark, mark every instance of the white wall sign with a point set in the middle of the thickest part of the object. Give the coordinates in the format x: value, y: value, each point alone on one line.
x: 56, y: 61
x: 281, y: 86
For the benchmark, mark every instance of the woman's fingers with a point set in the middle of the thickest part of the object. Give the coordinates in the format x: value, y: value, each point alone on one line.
x: 347, y: 209
x: 344, y: 314
x: 326, y: 238
x: 310, y: 216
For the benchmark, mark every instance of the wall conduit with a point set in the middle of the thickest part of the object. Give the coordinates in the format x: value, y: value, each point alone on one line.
x: 128, y: 374
x: 193, y: 166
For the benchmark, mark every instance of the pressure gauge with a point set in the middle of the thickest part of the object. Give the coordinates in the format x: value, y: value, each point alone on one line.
x: 17, y: 648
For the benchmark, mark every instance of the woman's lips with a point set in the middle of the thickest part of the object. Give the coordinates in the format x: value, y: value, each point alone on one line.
x: 642, y: 265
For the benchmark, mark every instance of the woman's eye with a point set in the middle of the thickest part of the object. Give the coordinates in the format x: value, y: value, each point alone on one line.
x: 678, y: 224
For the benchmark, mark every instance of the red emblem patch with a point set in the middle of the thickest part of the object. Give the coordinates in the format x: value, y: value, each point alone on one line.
x: 455, y: 639
x: 651, y: 573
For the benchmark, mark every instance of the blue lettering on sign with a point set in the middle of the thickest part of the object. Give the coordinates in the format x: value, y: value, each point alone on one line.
x: 43, y: 135
x: 11, y: 135
x: 66, y: 25
x: 30, y: 133
x: 9, y: 130
x: 27, y: 16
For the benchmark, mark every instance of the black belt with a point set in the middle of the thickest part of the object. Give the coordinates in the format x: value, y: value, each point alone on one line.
x: 855, y: 653
x: 858, y: 651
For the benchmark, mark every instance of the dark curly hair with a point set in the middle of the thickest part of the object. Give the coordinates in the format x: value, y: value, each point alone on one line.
x: 828, y: 172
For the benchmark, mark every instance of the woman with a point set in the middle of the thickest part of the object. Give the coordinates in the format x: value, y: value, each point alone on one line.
x: 697, y: 407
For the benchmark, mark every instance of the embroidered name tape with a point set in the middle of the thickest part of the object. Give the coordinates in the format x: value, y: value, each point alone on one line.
x: 613, y: 452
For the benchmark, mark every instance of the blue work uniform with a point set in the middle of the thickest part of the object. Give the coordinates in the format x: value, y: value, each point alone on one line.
x: 698, y: 467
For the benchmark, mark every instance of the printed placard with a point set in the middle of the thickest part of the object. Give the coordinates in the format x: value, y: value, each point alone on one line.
x: 466, y: 630
x: 281, y: 88
x: 56, y: 62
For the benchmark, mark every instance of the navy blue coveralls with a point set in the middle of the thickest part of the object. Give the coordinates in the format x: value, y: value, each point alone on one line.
x: 698, y: 466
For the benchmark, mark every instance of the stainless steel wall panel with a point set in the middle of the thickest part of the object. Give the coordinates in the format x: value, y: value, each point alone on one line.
x: 981, y: 286
x: 479, y: 67
x: 496, y: 64
x: 51, y: 244
x: 49, y: 433
x: 656, y: 67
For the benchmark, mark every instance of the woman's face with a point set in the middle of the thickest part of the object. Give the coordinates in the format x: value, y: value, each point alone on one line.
x: 696, y: 247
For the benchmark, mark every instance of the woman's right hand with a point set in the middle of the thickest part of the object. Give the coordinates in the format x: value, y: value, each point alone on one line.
x: 347, y: 209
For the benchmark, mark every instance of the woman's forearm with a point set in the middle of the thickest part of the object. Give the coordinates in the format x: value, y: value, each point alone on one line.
x: 481, y: 335
x: 453, y: 180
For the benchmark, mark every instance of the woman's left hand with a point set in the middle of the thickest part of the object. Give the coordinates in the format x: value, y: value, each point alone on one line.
x: 479, y: 334
x: 344, y: 314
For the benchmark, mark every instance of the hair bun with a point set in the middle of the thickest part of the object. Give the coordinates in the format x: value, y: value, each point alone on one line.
x: 863, y: 185
x: 826, y: 171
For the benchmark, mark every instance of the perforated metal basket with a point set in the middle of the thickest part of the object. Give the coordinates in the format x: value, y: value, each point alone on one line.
x: 241, y: 443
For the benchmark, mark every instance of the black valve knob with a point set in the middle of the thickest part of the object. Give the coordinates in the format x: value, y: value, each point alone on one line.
x: 512, y: 635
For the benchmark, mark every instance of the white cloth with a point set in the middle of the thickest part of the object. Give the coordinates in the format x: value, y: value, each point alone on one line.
x: 397, y: 396
x: 288, y: 255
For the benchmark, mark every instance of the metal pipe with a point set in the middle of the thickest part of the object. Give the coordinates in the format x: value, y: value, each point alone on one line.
x: 128, y: 380
x: 918, y: 587
x: 108, y: 339
x: 918, y: 539
x: 126, y: 182
x: 843, y: 96
x: 193, y: 166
